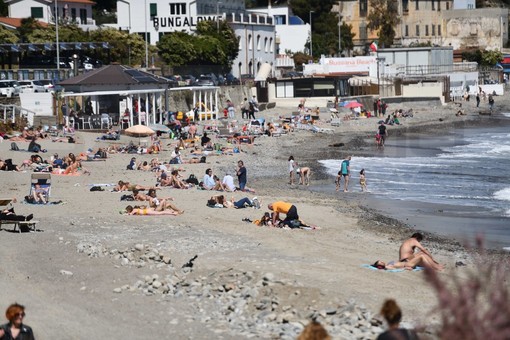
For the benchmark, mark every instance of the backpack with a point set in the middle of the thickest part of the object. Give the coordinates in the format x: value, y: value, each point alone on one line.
x: 14, y: 146
x: 202, y: 159
x: 192, y: 179
x: 96, y: 188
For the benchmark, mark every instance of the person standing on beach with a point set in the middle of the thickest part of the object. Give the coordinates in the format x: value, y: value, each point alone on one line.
x: 406, y: 252
x: 491, y: 102
x: 345, y: 170
x: 292, y: 169
x: 245, y: 109
x: 478, y: 100
x: 362, y: 180
x: 241, y: 175
x: 383, y: 132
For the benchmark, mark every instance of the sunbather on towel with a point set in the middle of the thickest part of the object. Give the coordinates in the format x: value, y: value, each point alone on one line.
x: 130, y: 210
x: 419, y: 259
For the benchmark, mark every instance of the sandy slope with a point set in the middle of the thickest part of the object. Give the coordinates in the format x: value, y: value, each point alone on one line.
x: 324, y: 264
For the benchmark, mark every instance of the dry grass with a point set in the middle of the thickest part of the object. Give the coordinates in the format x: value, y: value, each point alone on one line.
x: 476, y: 306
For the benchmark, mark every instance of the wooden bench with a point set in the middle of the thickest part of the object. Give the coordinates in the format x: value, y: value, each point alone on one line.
x: 21, y: 226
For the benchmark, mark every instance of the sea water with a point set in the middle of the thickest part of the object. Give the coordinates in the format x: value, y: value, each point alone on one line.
x: 466, y: 173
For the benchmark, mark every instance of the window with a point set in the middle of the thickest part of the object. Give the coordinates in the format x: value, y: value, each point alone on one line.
x: 240, y: 43
x: 83, y: 16
x: 439, y: 5
x: 266, y: 46
x: 433, y: 5
x: 280, y: 20
x: 405, y: 6
x: 438, y: 29
x: 447, y: 5
x: 363, y: 31
x: 417, y: 30
x: 36, y: 12
x: 433, y: 30
x: 258, y: 42
x: 426, y: 30
x: 271, y: 46
x: 363, y: 8
x: 417, y: 4
x: 406, y: 29
x: 73, y: 14
x: 154, y: 10
x: 470, y: 6
x: 250, y: 42
x: 178, y: 9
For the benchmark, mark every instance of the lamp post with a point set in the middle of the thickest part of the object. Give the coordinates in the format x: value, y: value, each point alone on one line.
x: 146, y: 38
x: 75, y: 64
x: 218, y: 16
x: 58, y: 43
x: 311, y: 34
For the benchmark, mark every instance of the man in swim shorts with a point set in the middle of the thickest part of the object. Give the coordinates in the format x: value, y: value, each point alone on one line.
x: 345, y: 171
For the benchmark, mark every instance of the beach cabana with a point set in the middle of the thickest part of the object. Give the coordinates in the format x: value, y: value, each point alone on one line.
x: 122, y: 92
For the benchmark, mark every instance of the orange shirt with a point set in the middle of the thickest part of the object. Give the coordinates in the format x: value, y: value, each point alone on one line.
x: 281, y: 207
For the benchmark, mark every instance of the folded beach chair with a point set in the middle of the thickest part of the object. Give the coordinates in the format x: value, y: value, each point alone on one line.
x: 44, y: 182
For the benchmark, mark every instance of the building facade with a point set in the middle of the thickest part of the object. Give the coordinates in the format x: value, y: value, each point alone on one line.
x: 68, y: 11
x: 155, y: 18
x: 439, y: 23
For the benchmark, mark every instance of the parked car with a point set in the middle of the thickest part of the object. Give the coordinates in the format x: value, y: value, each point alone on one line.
x: 292, y: 74
x: 172, y: 81
x: 31, y: 86
x: 7, y: 89
x: 48, y: 84
x: 231, y: 80
x: 205, y: 81
x: 189, y: 79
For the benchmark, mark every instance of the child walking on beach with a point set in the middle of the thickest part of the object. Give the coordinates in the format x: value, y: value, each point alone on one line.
x: 362, y: 180
x: 292, y: 169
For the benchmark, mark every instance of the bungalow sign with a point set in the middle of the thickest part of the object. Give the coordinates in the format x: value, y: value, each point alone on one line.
x: 181, y: 22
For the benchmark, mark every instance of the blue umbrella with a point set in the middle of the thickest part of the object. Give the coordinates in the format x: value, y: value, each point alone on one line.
x: 159, y: 127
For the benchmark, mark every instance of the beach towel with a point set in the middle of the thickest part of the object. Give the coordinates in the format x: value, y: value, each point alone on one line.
x: 101, y: 185
x: 369, y: 266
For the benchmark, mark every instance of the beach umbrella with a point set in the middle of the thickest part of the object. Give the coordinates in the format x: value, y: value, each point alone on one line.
x: 352, y: 105
x: 139, y: 131
x: 159, y: 127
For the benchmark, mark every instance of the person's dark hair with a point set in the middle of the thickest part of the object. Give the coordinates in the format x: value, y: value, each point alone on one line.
x: 240, y: 162
x: 211, y: 202
x: 417, y: 236
x: 151, y: 192
x: 14, y: 310
x: 207, y: 170
x: 129, y: 209
x: 378, y: 265
x: 391, y: 312
x: 362, y: 172
x: 135, y: 192
x: 291, y: 158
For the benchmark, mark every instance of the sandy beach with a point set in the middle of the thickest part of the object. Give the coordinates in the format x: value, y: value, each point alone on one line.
x: 92, y: 272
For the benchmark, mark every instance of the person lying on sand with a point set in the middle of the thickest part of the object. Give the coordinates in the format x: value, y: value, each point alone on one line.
x: 136, y: 210
x: 419, y: 259
x: 126, y: 186
x: 244, y: 202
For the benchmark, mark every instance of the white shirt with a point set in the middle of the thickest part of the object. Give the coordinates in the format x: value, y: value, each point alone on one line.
x: 209, y: 182
x: 291, y: 165
x: 229, y: 182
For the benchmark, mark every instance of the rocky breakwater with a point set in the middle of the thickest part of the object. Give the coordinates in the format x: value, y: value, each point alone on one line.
x: 244, y: 303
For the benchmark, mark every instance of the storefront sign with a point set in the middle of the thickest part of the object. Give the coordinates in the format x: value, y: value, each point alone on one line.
x: 180, y: 22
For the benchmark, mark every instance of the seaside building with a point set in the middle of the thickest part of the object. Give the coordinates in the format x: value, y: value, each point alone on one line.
x: 78, y: 12
x: 455, y: 23
x: 256, y: 31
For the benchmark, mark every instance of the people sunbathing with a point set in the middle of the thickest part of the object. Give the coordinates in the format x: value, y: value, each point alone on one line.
x: 126, y: 186
x: 221, y: 201
x: 419, y: 259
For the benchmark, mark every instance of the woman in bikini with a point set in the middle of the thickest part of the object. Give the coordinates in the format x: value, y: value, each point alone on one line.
x: 130, y: 210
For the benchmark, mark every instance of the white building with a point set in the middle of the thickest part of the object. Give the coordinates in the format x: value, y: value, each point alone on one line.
x: 72, y: 11
x: 292, y: 33
x: 256, y: 32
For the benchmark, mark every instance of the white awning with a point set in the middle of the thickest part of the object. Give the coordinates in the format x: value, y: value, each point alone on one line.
x: 264, y: 72
x: 366, y: 81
